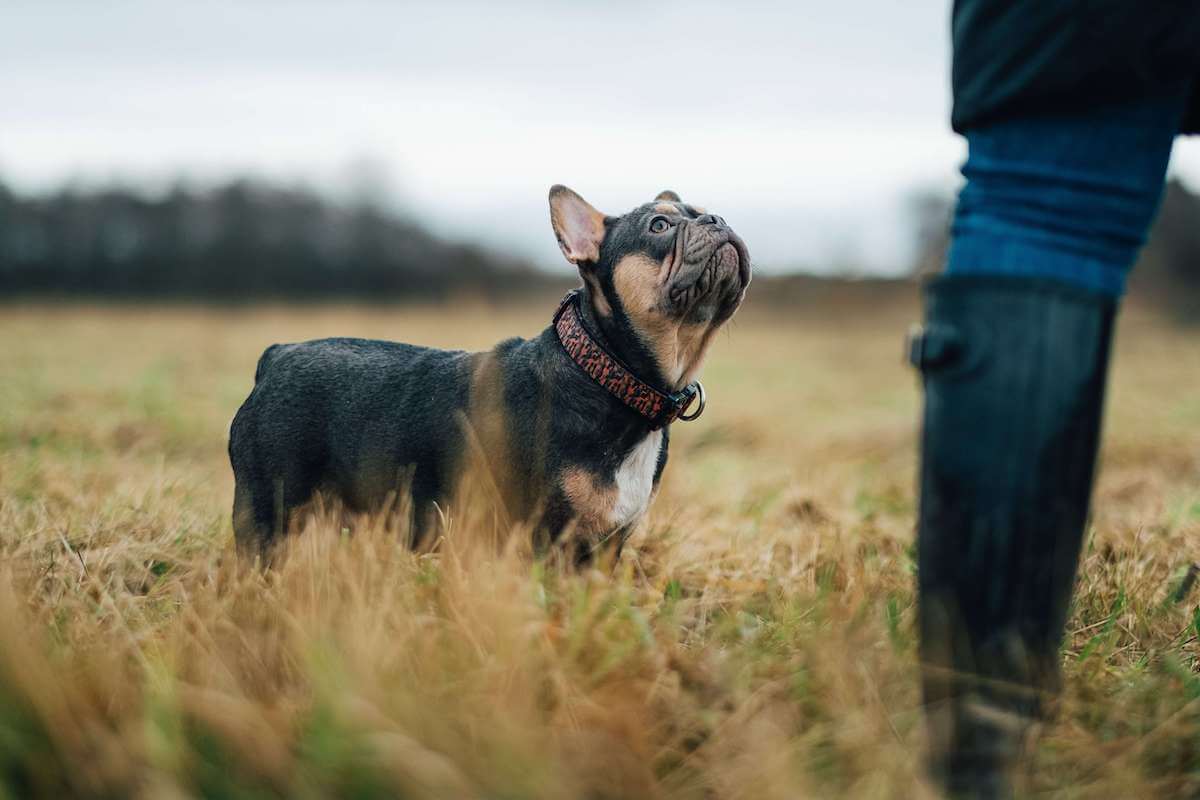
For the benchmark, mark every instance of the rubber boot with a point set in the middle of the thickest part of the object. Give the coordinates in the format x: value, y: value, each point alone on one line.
x: 1014, y: 372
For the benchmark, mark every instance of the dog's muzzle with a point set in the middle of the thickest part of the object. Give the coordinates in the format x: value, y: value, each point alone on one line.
x: 711, y: 269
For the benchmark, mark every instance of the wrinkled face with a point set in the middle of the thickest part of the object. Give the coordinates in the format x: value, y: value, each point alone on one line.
x: 676, y: 261
x: 667, y: 273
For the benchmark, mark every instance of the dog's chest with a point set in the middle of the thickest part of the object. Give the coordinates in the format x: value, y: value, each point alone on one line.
x: 602, y: 503
x: 634, y: 480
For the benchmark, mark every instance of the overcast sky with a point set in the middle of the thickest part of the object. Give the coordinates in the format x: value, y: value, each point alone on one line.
x: 805, y: 124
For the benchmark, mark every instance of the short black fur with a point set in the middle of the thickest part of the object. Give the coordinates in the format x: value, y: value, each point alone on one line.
x: 365, y: 420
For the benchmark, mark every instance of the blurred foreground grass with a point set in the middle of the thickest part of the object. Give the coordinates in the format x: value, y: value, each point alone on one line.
x: 756, y: 640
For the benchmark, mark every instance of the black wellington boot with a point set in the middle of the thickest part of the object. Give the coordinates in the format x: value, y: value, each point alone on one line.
x: 1014, y: 372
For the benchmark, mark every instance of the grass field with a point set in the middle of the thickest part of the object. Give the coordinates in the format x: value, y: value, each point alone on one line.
x: 756, y: 640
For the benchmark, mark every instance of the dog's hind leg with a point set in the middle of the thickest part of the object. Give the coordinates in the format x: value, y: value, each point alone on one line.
x: 263, y: 510
x: 271, y: 480
x: 255, y: 518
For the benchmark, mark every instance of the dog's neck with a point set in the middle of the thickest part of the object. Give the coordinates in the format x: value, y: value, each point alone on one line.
x: 620, y: 339
x: 594, y: 357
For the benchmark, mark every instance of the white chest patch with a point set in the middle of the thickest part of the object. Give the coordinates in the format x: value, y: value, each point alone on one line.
x: 635, y: 480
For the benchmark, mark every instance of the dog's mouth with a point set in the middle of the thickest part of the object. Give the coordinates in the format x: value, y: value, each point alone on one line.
x: 708, y: 274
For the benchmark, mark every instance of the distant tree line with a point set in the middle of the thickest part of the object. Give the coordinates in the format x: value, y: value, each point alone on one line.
x: 241, y: 240
x: 1168, y: 271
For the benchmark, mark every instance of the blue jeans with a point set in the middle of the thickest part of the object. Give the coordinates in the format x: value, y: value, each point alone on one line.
x: 1069, y: 198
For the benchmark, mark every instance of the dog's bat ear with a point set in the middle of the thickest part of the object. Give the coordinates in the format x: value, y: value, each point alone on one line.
x: 669, y: 196
x: 578, y: 227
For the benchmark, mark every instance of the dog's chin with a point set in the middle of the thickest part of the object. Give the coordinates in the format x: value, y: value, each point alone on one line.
x: 710, y: 291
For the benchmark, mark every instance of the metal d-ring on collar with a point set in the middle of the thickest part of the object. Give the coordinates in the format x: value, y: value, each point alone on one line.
x: 697, y: 391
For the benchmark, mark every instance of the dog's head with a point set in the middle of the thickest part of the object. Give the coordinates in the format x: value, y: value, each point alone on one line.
x: 659, y: 280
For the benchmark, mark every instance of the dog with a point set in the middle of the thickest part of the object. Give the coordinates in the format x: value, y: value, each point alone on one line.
x: 572, y: 425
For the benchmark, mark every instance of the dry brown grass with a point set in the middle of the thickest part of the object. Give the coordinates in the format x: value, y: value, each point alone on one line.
x: 755, y: 641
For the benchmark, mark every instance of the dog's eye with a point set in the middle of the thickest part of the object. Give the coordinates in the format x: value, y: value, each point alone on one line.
x: 659, y: 225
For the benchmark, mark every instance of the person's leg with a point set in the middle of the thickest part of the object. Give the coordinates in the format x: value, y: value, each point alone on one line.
x: 1014, y: 354
x: 1067, y: 198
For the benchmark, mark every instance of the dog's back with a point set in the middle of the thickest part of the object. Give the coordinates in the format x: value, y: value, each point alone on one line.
x: 264, y: 361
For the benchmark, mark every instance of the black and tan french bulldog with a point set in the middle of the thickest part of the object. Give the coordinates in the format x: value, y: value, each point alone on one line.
x: 573, y: 423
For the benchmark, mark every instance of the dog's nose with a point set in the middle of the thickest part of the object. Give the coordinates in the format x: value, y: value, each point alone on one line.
x: 711, y: 219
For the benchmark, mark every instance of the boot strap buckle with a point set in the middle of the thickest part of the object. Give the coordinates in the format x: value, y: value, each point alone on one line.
x: 932, y: 345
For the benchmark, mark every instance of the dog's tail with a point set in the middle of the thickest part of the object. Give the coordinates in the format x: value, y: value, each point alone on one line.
x: 264, y: 361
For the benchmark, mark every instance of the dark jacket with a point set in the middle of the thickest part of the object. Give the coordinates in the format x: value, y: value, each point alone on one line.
x: 1058, y: 56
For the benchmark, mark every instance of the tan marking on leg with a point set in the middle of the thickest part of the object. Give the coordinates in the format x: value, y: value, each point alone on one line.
x: 591, y: 501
